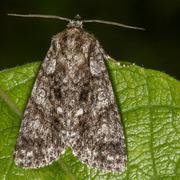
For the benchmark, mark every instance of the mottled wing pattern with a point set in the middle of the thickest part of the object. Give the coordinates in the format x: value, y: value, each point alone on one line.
x: 72, y: 104
x: 95, y: 129
x: 42, y: 135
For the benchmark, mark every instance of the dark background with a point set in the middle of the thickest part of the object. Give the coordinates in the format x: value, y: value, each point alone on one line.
x: 25, y: 40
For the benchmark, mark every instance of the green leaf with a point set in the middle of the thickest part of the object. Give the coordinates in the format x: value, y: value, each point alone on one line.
x: 149, y: 105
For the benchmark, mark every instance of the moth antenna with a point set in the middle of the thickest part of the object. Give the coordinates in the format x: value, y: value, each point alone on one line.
x: 40, y: 16
x: 113, y: 23
x: 84, y: 21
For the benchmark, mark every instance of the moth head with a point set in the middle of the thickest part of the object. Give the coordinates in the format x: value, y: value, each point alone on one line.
x: 77, y: 23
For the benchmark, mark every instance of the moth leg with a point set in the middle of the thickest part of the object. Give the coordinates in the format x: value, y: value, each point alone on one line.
x: 107, y: 57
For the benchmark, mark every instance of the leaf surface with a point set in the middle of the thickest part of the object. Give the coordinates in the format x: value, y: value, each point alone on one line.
x: 149, y: 105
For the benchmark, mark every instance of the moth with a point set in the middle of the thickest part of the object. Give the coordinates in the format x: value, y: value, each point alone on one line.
x: 72, y: 104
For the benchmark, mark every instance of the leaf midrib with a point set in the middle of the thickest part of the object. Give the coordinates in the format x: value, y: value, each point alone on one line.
x: 5, y: 97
